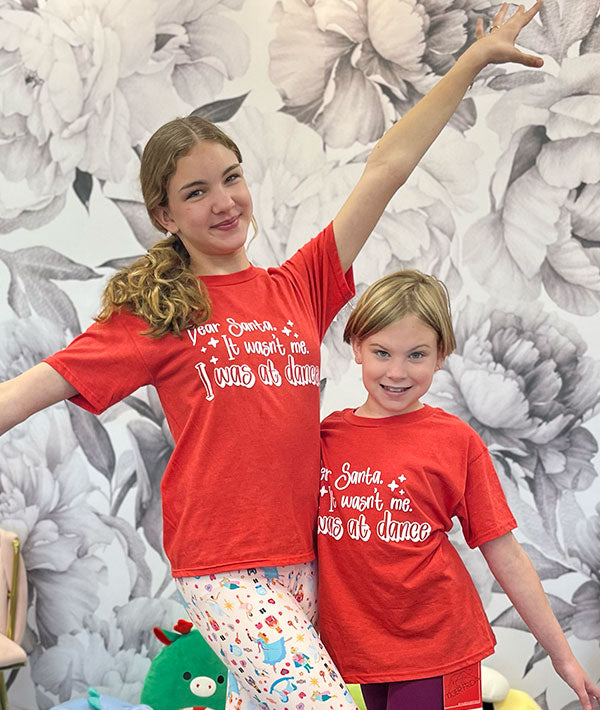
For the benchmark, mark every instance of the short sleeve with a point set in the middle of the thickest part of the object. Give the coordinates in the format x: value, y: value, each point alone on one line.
x: 483, y: 511
x: 316, y: 271
x: 104, y: 363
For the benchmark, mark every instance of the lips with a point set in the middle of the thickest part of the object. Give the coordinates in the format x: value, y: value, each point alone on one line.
x: 395, y: 390
x: 227, y: 223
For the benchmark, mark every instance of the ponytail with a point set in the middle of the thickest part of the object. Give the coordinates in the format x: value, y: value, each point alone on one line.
x: 159, y: 288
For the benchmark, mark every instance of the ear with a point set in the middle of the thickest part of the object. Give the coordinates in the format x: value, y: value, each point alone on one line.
x: 439, y: 362
x: 163, y: 217
x: 356, y: 350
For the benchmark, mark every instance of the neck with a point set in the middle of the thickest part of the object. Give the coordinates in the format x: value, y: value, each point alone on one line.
x: 219, y: 265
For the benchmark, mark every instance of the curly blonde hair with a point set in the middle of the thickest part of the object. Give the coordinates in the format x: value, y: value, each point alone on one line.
x: 160, y: 287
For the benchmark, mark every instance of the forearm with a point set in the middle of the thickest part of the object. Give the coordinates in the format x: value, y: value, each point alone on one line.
x: 26, y: 394
x: 405, y: 143
x: 515, y: 573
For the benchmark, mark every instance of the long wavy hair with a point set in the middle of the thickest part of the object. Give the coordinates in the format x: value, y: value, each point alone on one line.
x: 160, y: 287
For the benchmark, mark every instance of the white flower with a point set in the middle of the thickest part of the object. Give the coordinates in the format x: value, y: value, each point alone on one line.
x: 78, y: 86
x: 544, y: 227
x: 204, y: 44
x: 369, y: 61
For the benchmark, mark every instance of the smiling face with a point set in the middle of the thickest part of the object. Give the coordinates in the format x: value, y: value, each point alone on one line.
x: 209, y: 208
x: 398, y: 364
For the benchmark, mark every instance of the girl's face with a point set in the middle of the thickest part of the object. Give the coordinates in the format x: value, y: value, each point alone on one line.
x: 398, y: 364
x: 209, y: 208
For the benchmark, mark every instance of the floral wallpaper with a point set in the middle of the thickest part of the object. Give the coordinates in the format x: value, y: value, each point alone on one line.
x: 505, y: 208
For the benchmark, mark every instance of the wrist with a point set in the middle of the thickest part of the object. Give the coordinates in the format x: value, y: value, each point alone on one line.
x: 473, y: 59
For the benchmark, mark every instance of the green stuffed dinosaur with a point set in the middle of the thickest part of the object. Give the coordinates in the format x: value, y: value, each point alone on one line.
x: 186, y: 674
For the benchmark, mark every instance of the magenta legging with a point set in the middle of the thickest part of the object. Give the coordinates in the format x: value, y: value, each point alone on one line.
x: 424, y: 694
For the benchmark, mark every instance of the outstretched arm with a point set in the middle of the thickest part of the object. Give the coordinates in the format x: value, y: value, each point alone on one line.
x: 398, y: 152
x: 517, y: 576
x: 26, y: 394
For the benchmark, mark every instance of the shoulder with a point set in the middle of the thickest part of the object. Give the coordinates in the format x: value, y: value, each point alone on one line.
x: 456, y: 428
x: 333, y: 420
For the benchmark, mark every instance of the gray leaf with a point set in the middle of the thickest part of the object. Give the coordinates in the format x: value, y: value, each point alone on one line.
x: 94, y: 439
x: 541, y: 701
x: 506, y: 82
x: 592, y: 42
x: 136, y: 552
x: 545, y: 567
x: 510, y: 619
x: 217, y: 111
x: 153, y: 453
x: 526, y: 154
x: 82, y: 185
x: 142, y: 408
x: 48, y: 263
x: 119, y: 263
x: 137, y: 218
x: 538, y: 655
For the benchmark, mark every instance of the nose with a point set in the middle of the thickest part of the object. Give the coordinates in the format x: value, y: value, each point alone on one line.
x: 396, y: 370
x: 203, y: 686
x: 222, y: 200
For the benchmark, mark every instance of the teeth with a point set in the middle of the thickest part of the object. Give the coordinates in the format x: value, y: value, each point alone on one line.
x: 395, y: 389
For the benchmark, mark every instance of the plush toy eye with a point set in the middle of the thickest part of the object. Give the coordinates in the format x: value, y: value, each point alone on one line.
x: 187, y: 675
x: 220, y: 679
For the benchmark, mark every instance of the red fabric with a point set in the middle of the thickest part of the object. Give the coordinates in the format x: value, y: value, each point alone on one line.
x: 406, y: 609
x: 241, y: 488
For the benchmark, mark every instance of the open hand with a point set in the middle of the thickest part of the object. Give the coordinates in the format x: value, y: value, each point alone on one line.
x: 499, y: 43
x: 574, y: 675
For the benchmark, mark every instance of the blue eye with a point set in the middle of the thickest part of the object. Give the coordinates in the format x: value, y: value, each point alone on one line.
x: 417, y: 355
x: 381, y: 353
x: 194, y: 193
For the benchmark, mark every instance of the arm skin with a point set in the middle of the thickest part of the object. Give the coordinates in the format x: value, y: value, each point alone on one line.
x: 398, y: 152
x: 515, y: 573
x: 35, y: 389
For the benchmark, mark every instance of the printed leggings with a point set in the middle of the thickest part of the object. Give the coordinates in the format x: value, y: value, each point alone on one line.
x: 260, y: 621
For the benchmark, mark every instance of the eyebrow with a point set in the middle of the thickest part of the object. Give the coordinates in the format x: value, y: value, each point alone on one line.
x: 413, y: 347
x: 196, y: 183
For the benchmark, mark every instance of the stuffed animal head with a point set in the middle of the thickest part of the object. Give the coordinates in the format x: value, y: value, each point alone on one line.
x: 186, y: 674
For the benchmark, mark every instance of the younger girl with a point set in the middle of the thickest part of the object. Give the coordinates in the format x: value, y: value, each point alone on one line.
x: 394, y: 473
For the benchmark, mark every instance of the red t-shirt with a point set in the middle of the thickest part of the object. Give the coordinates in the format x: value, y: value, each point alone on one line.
x: 241, y: 397
x: 395, y: 600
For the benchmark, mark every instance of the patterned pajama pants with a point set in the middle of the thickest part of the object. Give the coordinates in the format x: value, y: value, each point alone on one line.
x: 260, y: 622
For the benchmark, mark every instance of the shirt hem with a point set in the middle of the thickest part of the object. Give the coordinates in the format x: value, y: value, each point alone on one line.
x: 178, y: 572
x: 393, y: 677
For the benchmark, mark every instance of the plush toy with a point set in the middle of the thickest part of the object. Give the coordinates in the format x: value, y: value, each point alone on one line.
x: 498, y: 695
x: 95, y: 701
x: 356, y: 694
x: 186, y: 674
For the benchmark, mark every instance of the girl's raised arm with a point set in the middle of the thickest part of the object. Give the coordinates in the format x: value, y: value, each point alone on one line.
x: 515, y: 573
x: 35, y: 389
x: 398, y: 152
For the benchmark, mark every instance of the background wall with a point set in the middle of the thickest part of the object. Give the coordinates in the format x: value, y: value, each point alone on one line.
x: 504, y: 208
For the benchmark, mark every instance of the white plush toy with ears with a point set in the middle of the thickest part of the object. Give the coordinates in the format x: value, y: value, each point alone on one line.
x: 498, y: 695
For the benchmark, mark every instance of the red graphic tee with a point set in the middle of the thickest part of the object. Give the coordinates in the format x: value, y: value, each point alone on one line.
x: 241, y: 398
x: 395, y: 600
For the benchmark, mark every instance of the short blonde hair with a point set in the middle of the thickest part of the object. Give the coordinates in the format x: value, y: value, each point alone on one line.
x: 397, y: 295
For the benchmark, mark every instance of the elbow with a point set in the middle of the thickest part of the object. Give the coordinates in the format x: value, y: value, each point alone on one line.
x: 390, y: 174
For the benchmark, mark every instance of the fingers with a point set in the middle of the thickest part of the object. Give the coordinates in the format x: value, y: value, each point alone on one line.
x: 479, y: 28
x: 531, y: 13
x: 501, y: 14
x: 529, y: 60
